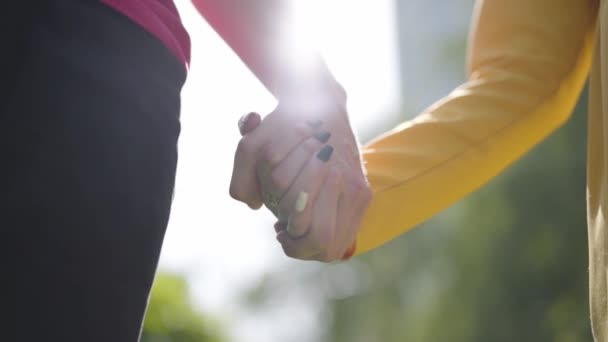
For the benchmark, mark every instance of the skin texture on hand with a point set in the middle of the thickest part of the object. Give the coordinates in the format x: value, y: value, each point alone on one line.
x: 331, y: 178
x: 258, y: 152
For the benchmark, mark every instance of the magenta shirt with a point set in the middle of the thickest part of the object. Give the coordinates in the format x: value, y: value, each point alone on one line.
x: 159, y: 17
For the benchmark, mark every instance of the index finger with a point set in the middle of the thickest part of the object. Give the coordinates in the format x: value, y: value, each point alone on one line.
x: 270, y: 143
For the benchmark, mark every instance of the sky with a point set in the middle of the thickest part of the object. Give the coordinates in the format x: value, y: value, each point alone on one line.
x: 221, y: 245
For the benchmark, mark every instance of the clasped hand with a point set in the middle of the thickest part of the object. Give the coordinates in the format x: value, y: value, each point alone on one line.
x: 306, y: 169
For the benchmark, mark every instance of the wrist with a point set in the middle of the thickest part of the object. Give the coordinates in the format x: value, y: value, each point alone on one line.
x: 315, y: 88
x: 325, y: 103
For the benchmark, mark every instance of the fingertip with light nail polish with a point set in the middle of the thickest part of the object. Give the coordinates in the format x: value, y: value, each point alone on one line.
x: 301, y: 201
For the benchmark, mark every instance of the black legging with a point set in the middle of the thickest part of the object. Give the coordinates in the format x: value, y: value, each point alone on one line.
x: 89, y: 122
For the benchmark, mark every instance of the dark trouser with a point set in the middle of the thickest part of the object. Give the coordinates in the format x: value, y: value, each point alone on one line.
x: 89, y: 124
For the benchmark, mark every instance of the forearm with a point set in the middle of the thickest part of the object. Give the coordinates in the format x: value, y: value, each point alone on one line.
x: 258, y: 32
x: 435, y: 161
x: 524, y: 82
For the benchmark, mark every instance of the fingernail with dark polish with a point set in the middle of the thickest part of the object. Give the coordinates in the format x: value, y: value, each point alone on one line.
x: 325, y: 153
x: 314, y: 123
x: 323, y: 136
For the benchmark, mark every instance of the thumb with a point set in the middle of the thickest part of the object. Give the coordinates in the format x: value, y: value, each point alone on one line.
x: 249, y: 122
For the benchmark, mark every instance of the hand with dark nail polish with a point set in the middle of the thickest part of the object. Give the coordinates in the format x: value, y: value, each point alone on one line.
x: 281, y: 157
x: 325, y: 153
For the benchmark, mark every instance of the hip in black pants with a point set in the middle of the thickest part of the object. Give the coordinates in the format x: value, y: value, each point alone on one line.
x: 89, y: 122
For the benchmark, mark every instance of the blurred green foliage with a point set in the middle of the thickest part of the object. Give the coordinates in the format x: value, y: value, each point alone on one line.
x: 507, y: 263
x: 171, y: 317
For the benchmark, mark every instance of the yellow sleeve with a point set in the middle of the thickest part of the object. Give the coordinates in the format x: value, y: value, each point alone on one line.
x: 528, y: 62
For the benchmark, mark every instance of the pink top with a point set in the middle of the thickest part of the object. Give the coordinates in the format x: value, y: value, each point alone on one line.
x: 159, y: 17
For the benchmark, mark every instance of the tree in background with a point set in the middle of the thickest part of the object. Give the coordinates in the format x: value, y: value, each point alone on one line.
x: 171, y: 317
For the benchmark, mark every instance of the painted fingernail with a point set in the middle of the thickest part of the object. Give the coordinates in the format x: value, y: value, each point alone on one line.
x: 301, y: 201
x: 325, y: 153
x: 323, y: 137
x: 314, y: 123
x: 350, y: 252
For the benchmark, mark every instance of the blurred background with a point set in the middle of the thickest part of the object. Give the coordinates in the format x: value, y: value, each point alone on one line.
x: 508, y: 263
